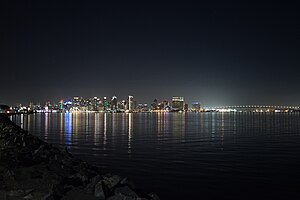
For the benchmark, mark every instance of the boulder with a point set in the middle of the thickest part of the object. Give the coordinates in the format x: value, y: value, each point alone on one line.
x: 126, y: 191
x: 153, y: 196
x: 74, y: 194
x: 99, y: 192
x: 111, y: 181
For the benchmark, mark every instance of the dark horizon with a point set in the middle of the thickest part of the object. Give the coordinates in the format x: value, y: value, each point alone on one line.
x: 217, y: 53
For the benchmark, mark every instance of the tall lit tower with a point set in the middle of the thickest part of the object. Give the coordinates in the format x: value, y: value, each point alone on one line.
x: 130, y: 103
x: 106, y: 104
x: 76, y: 101
x: 114, y: 103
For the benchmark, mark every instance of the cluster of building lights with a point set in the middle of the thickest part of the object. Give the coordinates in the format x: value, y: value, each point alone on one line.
x: 113, y: 104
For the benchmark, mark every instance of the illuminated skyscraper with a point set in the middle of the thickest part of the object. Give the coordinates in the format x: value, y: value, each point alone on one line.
x: 178, y: 103
x: 106, y: 104
x: 76, y: 101
x: 196, y: 107
x: 122, y: 105
x: 114, y: 103
x: 154, y: 104
x: 95, y: 102
x: 186, y: 107
x: 130, y: 103
x: 61, y: 104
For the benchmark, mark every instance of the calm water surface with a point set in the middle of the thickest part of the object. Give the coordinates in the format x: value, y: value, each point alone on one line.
x: 185, y: 155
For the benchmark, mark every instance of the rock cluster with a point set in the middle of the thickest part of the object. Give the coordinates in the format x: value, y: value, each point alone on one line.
x: 33, y: 169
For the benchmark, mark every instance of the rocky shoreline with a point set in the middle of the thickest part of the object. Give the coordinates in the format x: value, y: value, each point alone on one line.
x: 33, y: 169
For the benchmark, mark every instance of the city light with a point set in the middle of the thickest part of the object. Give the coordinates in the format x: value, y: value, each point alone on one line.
x: 130, y: 105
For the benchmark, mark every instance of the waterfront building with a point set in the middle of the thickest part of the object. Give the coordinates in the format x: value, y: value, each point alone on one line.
x: 95, y: 104
x: 165, y: 103
x: 68, y: 105
x: 82, y: 102
x: 186, y: 107
x: 178, y: 103
x: 130, y: 104
x: 196, y: 107
x: 142, y: 107
x: 106, y: 104
x: 154, y: 105
x: 114, y: 103
x: 121, y: 106
x: 61, y: 105
x: 76, y: 101
x: 160, y: 106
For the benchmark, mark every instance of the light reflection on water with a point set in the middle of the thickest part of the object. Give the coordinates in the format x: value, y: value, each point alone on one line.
x: 179, y: 155
x: 68, y: 129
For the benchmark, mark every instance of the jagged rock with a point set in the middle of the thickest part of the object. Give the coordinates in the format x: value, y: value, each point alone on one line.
x: 90, y: 187
x: 112, y: 181
x: 8, y: 176
x: 16, y: 193
x: 36, y: 174
x: 99, y: 192
x: 153, y: 196
x: 126, y: 191
x: 90, y: 173
x: 71, y: 195
x: 46, y: 194
x: 125, y: 181
x: 55, y: 150
x: 58, y: 190
x: 28, y: 196
x: 67, y: 162
x: 67, y: 152
x: 59, y: 168
x: 94, y: 180
x: 74, y: 180
x: 39, y: 151
x: 54, y: 166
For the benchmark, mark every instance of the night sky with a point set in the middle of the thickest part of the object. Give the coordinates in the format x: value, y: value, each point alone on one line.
x: 215, y: 52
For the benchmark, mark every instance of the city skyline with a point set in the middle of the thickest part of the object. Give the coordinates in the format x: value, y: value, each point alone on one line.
x: 143, y: 100
x: 216, y: 52
x: 130, y: 103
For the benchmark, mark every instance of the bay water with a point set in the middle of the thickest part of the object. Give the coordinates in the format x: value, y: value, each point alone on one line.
x: 184, y: 155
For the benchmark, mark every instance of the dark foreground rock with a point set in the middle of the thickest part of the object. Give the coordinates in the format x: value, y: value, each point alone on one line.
x: 33, y: 169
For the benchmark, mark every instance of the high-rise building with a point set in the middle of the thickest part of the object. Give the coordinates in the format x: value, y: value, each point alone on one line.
x: 160, y: 106
x: 61, y: 104
x: 114, y: 103
x: 154, y: 104
x: 196, y: 107
x: 130, y: 104
x: 186, y: 107
x: 165, y: 103
x: 106, y: 104
x: 177, y: 103
x: 76, y: 101
x: 121, y: 106
x: 142, y: 107
x: 95, y: 103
